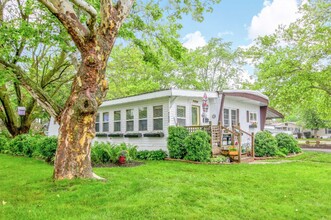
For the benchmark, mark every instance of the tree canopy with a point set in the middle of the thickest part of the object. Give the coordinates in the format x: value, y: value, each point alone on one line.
x: 293, y: 65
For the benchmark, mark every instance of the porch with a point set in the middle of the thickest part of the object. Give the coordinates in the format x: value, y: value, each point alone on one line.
x: 228, y: 141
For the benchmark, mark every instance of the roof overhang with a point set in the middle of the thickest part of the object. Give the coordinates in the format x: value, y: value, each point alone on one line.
x: 248, y: 96
x: 272, y: 113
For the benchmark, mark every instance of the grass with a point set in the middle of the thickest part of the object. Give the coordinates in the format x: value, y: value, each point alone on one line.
x: 170, y: 190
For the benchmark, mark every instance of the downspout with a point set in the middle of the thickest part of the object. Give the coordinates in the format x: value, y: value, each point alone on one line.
x: 220, y: 116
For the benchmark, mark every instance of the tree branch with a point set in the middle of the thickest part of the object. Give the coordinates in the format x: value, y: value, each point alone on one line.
x: 36, y: 92
x: 91, y: 11
x: 66, y: 14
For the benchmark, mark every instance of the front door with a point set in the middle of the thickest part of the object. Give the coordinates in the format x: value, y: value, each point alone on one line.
x: 195, y: 115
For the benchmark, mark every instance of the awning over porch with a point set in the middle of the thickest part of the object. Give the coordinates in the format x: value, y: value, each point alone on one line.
x: 272, y: 113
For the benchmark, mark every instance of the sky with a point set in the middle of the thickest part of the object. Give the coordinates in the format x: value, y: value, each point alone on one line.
x: 239, y: 21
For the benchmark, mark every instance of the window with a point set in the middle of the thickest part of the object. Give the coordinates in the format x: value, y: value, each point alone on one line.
x: 117, y: 121
x: 234, y: 120
x: 181, y: 115
x: 105, y: 122
x: 195, y: 115
x: 158, y: 117
x: 97, y: 123
x: 327, y: 130
x: 143, y: 119
x: 226, y: 118
x: 129, y: 120
x: 252, y: 117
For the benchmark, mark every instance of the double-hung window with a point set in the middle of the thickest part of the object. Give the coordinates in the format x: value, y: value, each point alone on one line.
x: 252, y: 117
x: 117, y: 121
x: 226, y: 117
x: 129, y: 120
x: 158, y: 117
x: 143, y: 119
x: 234, y: 120
x: 105, y: 121
x: 97, y: 123
x: 181, y: 115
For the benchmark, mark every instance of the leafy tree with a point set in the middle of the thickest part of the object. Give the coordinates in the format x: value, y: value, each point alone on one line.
x: 312, y: 120
x: 214, y: 67
x: 293, y: 65
x: 93, y: 27
x: 30, y: 44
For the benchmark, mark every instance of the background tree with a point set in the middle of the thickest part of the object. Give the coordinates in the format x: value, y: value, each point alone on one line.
x: 93, y: 27
x: 214, y: 67
x: 312, y: 120
x: 293, y: 65
x: 34, y: 45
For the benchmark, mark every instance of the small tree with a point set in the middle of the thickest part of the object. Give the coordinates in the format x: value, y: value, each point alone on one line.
x: 312, y: 120
x: 176, y: 143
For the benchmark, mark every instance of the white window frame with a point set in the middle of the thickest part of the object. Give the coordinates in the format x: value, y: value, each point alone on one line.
x: 105, y: 123
x: 250, y: 116
x: 181, y: 118
x: 157, y: 118
x: 236, y: 117
x: 228, y: 119
x: 141, y: 119
x: 97, y: 123
x: 117, y: 121
x: 129, y: 120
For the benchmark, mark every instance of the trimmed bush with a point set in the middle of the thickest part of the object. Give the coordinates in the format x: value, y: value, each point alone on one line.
x: 102, y: 153
x: 151, y: 155
x: 176, y: 144
x: 46, y: 148
x: 3, y: 142
x: 198, y: 146
x: 265, y: 144
x: 23, y: 145
x: 287, y: 144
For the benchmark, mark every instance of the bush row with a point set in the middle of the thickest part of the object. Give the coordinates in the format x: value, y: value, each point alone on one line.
x: 281, y: 145
x: 182, y: 145
x: 43, y: 147
x: 30, y: 146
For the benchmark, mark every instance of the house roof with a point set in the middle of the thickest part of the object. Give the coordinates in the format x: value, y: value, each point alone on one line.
x: 255, y: 95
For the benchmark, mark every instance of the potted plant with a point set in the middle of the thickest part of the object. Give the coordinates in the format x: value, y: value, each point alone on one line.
x: 122, y: 157
x: 233, y: 151
x: 253, y: 125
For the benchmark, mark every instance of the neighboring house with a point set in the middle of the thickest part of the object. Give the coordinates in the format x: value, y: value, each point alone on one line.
x: 284, y: 127
x: 143, y: 120
x: 320, y: 133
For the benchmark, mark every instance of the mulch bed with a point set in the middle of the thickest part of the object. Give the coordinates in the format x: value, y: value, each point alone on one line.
x: 130, y: 164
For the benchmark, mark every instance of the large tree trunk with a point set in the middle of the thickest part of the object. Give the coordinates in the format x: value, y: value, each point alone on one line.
x: 77, y: 121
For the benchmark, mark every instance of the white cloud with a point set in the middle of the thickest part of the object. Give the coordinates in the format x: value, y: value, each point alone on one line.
x: 273, y: 14
x: 194, y: 40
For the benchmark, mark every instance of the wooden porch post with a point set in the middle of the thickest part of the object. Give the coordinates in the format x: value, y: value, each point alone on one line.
x: 221, y: 134
x: 239, y: 150
x: 253, y: 153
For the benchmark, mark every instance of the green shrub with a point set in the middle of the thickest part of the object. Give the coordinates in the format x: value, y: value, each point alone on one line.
x: 176, y: 145
x: 3, y: 142
x: 46, y: 148
x: 151, y: 155
x: 107, y: 153
x: 219, y: 159
x: 287, y: 143
x: 23, y: 145
x: 198, y: 146
x: 265, y: 144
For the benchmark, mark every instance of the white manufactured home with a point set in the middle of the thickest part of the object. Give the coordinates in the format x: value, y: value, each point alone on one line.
x: 143, y: 120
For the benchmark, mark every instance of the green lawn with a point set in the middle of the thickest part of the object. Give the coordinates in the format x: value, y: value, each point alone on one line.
x: 170, y: 190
